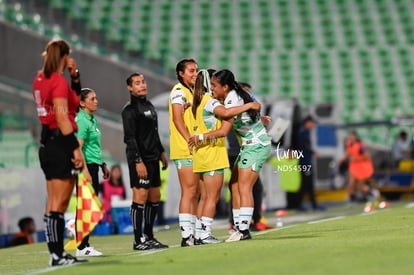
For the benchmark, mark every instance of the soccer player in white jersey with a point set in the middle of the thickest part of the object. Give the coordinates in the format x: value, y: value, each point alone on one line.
x: 253, y: 154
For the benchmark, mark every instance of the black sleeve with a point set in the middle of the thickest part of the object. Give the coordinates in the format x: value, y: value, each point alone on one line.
x: 129, y: 123
x: 161, y: 148
x: 77, y: 87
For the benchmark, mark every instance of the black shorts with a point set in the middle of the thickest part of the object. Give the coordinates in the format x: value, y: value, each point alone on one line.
x: 93, y: 169
x: 54, y: 161
x: 153, y: 179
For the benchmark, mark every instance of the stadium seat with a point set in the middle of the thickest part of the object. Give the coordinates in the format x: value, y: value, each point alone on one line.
x: 356, y: 53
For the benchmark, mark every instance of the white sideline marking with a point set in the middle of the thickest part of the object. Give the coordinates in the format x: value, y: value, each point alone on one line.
x: 327, y: 220
x: 374, y: 212
x: 50, y: 269
x: 273, y: 230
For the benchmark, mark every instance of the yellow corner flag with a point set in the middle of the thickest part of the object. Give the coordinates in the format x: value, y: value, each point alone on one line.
x: 88, y: 208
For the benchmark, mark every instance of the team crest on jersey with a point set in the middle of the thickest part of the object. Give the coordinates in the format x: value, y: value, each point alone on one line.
x: 176, y: 96
x: 229, y: 102
x: 195, y: 128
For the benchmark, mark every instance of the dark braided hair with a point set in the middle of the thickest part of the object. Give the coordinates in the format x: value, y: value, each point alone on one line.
x: 226, y: 77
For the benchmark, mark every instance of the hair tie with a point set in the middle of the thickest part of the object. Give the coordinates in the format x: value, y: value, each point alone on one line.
x: 206, y: 81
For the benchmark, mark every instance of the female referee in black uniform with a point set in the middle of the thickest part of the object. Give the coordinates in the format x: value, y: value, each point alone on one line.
x: 144, y: 152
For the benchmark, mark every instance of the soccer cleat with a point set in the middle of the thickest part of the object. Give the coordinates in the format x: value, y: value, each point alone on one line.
x: 234, y: 237
x: 61, y: 261
x: 238, y: 236
x: 232, y: 229
x: 209, y: 240
x: 246, y: 235
x: 383, y: 205
x: 70, y: 257
x: 88, y: 251
x: 369, y: 207
x: 141, y: 246
x: 66, y: 259
x: 260, y: 226
x: 154, y: 243
x: 189, y: 241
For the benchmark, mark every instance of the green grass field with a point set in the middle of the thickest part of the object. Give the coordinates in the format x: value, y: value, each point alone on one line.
x: 337, y: 241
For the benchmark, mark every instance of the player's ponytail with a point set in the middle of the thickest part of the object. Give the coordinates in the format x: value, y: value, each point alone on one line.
x: 198, y: 92
x: 55, y: 51
x: 202, y: 86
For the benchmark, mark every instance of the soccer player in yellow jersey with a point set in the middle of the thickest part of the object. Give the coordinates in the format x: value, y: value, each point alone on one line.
x: 210, y: 156
x: 179, y: 115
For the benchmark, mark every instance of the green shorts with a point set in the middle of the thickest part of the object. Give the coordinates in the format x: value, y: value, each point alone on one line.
x: 183, y: 163
x: 211, y: 173
x: 253, y: 156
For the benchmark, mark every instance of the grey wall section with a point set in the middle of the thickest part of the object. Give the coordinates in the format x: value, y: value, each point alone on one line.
x: 20, y: 59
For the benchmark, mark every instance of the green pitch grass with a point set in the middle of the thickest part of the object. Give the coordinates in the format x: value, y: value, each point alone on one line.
x: 337, y: 241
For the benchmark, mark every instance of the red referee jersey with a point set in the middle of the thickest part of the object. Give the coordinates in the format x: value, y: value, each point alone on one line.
x: 47, y: 89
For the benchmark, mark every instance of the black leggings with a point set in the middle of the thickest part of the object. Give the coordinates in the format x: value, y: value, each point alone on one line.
x: 93, y: 169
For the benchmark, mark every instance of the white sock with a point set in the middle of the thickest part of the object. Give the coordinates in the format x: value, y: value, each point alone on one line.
x: 184, y: 221
x: 198, y: 227
x: 246, y: 214
x: 193, y: 223
x: 236, y: 217
x: 206, y: 223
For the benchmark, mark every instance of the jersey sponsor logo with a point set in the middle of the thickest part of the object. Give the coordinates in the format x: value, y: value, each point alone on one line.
x: 41, y: 111
x: 147, y: 113
x: 144, y: 181
x: 176, y: 96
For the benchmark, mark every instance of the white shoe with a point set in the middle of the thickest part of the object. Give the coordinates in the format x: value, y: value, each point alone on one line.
x: 88, y: 252
x: 234, y: 237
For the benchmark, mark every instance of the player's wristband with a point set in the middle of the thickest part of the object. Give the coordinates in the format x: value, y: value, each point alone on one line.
x: 70, y: 142
x: 201, y: 137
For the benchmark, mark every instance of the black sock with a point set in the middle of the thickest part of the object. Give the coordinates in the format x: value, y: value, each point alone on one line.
x: 352, y: 197
x: 137, y: 213
x: 151, y: 209
x: 55, y: 226
x: 84, y: 243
